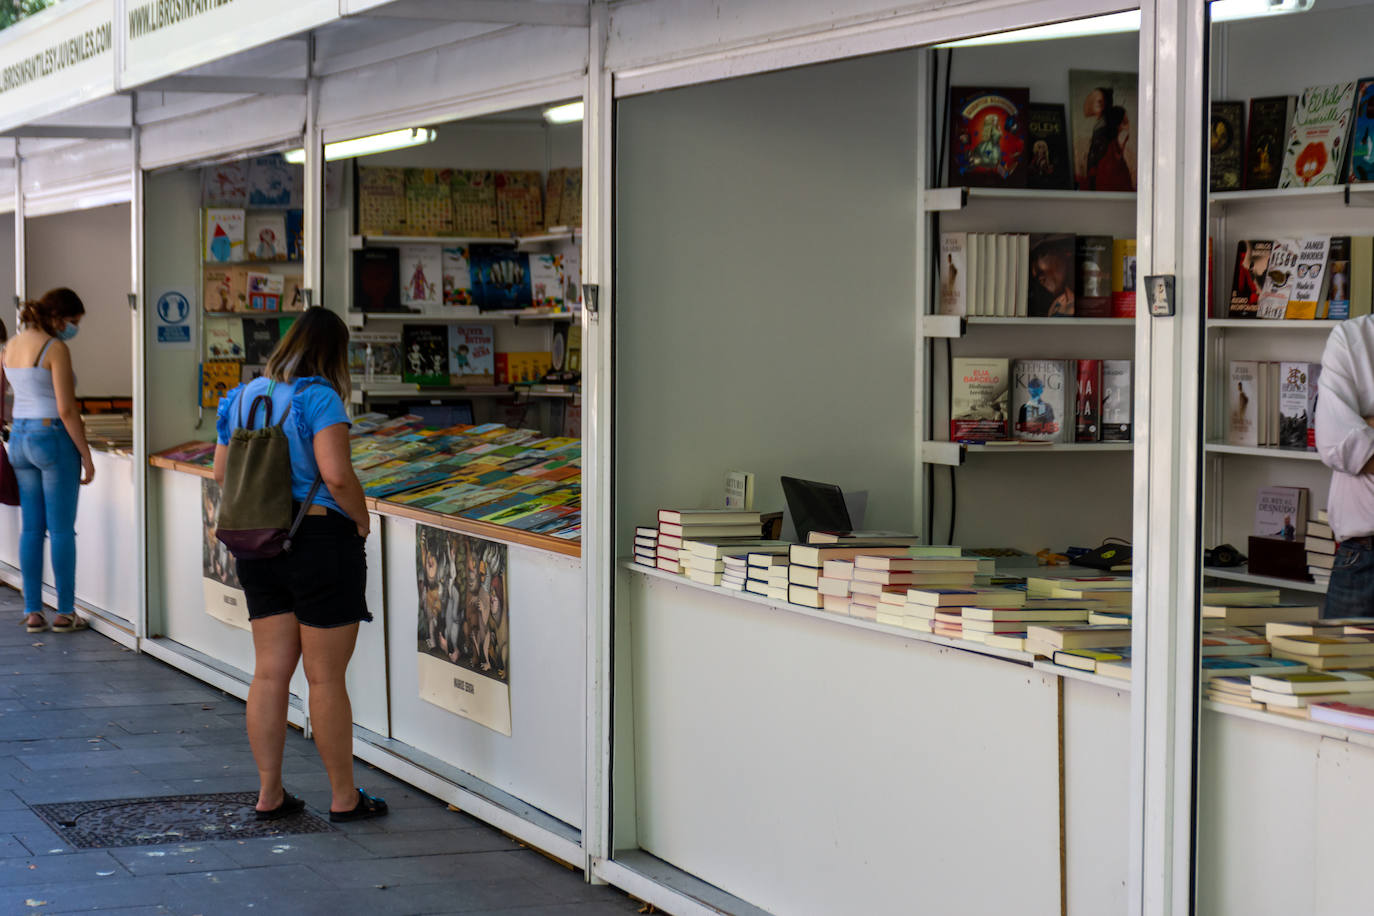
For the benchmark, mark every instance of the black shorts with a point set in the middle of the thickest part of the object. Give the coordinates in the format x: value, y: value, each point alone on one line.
x: 323, y: 580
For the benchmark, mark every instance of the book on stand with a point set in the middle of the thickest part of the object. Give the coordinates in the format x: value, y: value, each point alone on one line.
x: 1270, y: 118
x: 987, y: 137
x: 1362, y: 133
x: 1315, y: 150
x: 1094, y: 259
x: 1117, y: 405
x: 1048, y: 165
x: 1226, y: 141
x: 979, y: 393
x: 1279, y: 278
x: 1309, y: 284
x: 1088, y: 405
x: 1042, y: 399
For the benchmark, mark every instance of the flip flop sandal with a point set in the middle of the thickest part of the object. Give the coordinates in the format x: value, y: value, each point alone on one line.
x: 368, y: 806
x: 74, y: 623
x: 35, y: 629
x: 290, y: 805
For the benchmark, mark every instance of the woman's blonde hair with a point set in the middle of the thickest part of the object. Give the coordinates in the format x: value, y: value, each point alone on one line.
x: 316, y: 345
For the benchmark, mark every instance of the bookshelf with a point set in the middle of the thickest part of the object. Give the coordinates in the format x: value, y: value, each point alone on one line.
x: 1242, y: 574
x: 1258, y: 451
x: 948, y: 199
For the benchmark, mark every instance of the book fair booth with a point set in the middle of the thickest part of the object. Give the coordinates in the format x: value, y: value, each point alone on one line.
x: 1035, y: 293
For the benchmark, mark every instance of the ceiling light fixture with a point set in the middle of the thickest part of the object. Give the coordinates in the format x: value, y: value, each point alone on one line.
x: 366, y: 146
x: 564, y: 114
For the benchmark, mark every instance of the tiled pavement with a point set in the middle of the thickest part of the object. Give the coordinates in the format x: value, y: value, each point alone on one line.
x: 82, y: 718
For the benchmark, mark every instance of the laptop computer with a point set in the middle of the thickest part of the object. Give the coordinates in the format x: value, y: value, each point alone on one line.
x: 815, y: 506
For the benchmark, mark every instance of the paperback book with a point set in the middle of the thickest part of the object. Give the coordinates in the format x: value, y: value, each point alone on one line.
x: 421, y: 277
x: 374, y: 357
x: 1048, y: 165
x: 1051, y: 276
x: 1117, y: 408
x: 1279, y: 279
x: 1362, y: 133
x: 978, y: 399
x: 265, y: 236
x: 1338, y: 279
x: 472, y: 354
x: 1252, y: 267
x: 1094, y: 262
x: 1102, y: 106
x: 1281, y: 513
x: 1226, y: 140
x: 1242, y: 424
x: 1309, y: 281
x: 223, y: 235
x: 953, y: 275
x: 1297, y: 400
x: 425, y: 360
x: 457, y: 276
x: 1123, y: 278
x: 1040, y: 398
x: 376, y: 280
x: 1270, y: 118
x: 1315, y: 151
x: 987, y: 137
x: 1088, y: 406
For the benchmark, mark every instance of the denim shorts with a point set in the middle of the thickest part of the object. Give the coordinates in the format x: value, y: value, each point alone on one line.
x: 1351, y: 592
x: 322, y: 580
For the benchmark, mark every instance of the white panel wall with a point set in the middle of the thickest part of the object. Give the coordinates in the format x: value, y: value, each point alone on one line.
x: 89, y: 251
x: 1097, y: 747
x: 764, y: 288
x: 247, y: 125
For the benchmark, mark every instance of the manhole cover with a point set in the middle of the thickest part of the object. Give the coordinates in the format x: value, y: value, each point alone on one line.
x: 169, y: 819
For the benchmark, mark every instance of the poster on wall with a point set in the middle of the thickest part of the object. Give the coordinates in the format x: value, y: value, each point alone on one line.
x: 463, y: 626
x: 224, y: 598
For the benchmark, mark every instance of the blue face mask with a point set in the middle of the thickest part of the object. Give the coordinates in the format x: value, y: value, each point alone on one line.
x: 68, y: 332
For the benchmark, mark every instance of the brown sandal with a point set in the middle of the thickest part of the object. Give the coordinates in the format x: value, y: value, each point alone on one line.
x: 73, y: 623
x: 35, y: 627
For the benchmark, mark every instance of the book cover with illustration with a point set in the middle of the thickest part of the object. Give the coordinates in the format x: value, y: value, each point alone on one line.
x: 1338, y: 279
x: 1087, y: 412
x: 1362, y: 133
x: 472, y: 354
x: 223, y: 235
x: 224, y: 185
x: 1041, y: 401
x: 987, y: 137
x: 1117, y: 406
x: 1102, y: 109
x: 1052, y: 276
x: 273, y: 182
x: 293, y: 293
x: 1281, y: 513
x: 1309, y: 282
x: 1242, y: 403
x: 429, y: 202
x: 474, y: 203
x: 1048, y: 165
x: 226, y: 289
x: 217, y: 378
x: 422, y: 277
x: 381, y: 200
x: 1123, y: 278
x: 1279, y: 278
x: 457, y: 275
x: 260, y: 336
x: 374, y: 357
x: 1297, y: 398
x: 265, y: 291
x: 953, y: 273
x: 519, y: 202
x: 1226, y: 142
x: 546, y: 281
x: 978, y: 390
x: 264, y: 235
x: 1252, y: 268
x: 500, y: 277
x: 1315, y: 151
x: 424, y: 355
x: 224, y: 339
x: 295, y: 234
x: 1270, y: 118
x: 1094, y: 264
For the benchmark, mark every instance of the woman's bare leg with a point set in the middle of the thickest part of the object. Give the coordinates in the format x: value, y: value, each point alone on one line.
x: 276, y: 649
x: 326, y: 652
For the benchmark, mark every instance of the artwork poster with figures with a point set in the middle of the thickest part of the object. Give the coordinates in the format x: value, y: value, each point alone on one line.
x: 463, y: 626
x: 224, y: 598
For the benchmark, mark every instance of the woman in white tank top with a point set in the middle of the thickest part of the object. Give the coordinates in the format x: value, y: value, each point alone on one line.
x: 48, y: 449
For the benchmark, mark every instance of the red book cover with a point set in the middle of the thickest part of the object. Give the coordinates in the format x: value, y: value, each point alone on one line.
x: 1088, y: 405
x: 502, y: 369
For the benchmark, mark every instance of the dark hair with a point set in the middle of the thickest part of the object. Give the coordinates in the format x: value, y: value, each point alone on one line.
x: 316, y: 345
x: 51, y: 313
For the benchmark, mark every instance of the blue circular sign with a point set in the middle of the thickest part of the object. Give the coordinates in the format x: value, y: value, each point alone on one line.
x: 173, y: 308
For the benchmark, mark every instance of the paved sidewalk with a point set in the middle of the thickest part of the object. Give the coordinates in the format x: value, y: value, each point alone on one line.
x: 82, y: 718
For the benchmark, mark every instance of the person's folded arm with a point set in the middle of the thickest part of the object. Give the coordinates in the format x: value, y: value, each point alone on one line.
x: 1345, y: 440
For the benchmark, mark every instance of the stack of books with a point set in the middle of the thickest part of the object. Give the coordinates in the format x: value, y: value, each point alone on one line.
x: 925, y: 603
x: 834, y: 585
x: 678, y: 525
x: 1256, y: 615
x: 736, y: 572
x: 1111, y: 662
x: 767, y: 575
x: 1346, y: 715
x: 808, y: 560
x: 1231, y: 689
x: 705, y: 560
x: 1321, y: 549
x: 1057, y: 642
x: 1292, y: 694
x: 646, y: 547
x: 1326, y: 652
x: 1005, y: 628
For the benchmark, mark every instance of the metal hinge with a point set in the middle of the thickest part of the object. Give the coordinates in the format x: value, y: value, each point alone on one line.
x: 591, y: 294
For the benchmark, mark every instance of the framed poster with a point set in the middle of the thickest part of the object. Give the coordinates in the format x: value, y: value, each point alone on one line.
x: 224, y: 598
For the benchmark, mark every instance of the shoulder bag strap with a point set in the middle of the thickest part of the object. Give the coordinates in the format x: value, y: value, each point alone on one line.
x: 309, y: 497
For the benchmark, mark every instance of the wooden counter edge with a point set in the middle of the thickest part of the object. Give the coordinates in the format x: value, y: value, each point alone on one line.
x: 158, y: 461
x: 476, y: 529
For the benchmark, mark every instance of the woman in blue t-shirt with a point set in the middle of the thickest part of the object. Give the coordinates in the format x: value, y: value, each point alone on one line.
x: 306, y: 604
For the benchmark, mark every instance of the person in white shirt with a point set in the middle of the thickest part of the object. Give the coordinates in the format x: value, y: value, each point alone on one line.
x: 1345, y: 441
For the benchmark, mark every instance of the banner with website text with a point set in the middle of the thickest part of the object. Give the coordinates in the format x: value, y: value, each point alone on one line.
x: 58, y: 59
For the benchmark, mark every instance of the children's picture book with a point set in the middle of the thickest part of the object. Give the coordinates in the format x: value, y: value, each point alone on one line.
x: 1242, y: 403
x: 457, y: 275
x: 1094, y: 264
x: 1281, y: 513
x: 1362, y: 133
x: 1123, y: 278
x: 519, y: 202
x: 226, y: 289
x: 987, y: 137
x: 953, y: 273
x: 1042, y: 400
x: 472, y: 354
x: 265, y: 236
x: 546, y: 281
x: 500, y: 277
x: 381, y: 200
x: 1279, y: 278
x: 1338, y: 279
x: 1297, y: 397
x: 223, y: 235
x: 429, y: 202
x: 260, y: 336
x: 1048, y: 164
x: 523, y: 367
x: 425, y: 355
x: 1315, y: 151
x: 1226, y: 141
x: 293, y: 293
x: 1270, y: 118
x: 295, y: 234
x: 1309, y: 283
x: 224, y: 185
x: 1252, y: 268
x: 374, y: 357
x: 1102, y: 108
x: 978, y: 399
x: 474, y: 203
x: 1088, y: 406
x: 1117, y: 406
x: 264, y: 292
x: 224, y: 339
x: 217, y: 378
x: 377, y: 280
x: 273, y: 182
x: 422, y: 277
x: 1052, y: 276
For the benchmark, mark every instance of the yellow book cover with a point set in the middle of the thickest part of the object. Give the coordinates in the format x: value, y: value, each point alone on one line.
x: 217, y: 378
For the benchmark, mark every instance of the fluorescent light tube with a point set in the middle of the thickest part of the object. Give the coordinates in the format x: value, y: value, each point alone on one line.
x: 564, y: 114
x: 366, y: 146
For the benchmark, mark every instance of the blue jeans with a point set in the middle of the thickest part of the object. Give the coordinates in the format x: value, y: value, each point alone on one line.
x: 48, y: 468
x: 1351, y: 592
